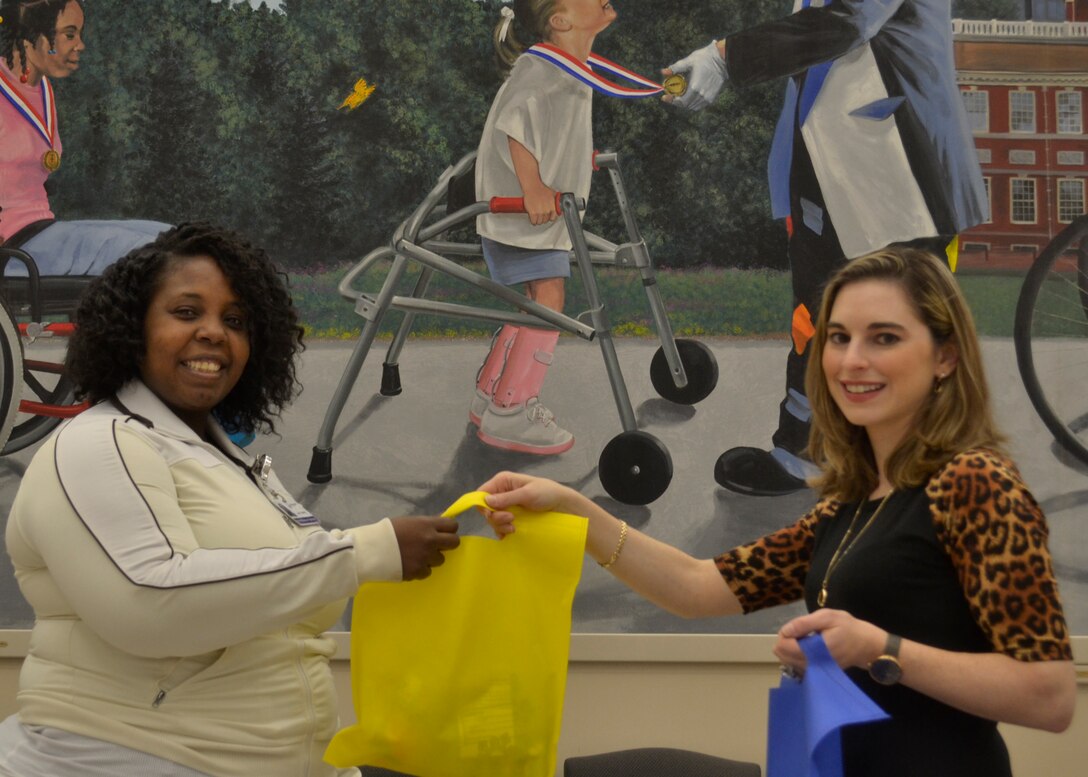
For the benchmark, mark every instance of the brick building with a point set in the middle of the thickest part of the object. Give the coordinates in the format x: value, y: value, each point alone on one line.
x: 1025, y: 87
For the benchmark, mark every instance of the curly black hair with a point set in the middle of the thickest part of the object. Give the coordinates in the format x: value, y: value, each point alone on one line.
x: 27, y: 20
x: 108, y: 347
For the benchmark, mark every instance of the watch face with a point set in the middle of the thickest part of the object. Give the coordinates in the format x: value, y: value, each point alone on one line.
x: 885, y: 670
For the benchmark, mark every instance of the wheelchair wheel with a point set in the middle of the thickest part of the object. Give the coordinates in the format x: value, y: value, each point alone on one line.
x: 1051, y: 337
x: 44, y: 382
x: 635, y: 468
x: 701, y: 369
x: 11, y: 370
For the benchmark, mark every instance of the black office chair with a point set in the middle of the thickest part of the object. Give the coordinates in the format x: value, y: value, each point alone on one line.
x: 656, y: 762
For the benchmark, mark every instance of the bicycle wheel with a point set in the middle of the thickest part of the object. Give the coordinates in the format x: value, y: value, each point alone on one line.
x: 1051, y: 337
x: 11, y: 371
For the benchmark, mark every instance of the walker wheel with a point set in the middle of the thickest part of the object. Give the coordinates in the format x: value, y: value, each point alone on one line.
x: 635, y: 468
x: 700, y: 366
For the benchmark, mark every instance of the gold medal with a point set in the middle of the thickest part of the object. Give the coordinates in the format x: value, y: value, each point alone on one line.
x: 675, y: 85
x: 51, y: 160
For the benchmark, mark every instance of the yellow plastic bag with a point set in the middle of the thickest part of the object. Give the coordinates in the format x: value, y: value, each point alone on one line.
x: 463, y: 674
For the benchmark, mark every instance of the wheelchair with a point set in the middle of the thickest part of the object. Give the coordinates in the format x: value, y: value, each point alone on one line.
x: 634, y: 467
x: 35, y: 395
x: 1050, y: 333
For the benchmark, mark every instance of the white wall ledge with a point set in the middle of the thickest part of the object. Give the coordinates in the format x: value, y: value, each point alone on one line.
x: 608, y: 648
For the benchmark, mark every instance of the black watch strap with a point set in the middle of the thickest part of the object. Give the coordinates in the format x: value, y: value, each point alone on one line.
x: 886, y: 669
x: 891, y: 647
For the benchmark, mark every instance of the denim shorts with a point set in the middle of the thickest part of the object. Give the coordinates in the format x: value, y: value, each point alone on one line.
x: 510, y: 264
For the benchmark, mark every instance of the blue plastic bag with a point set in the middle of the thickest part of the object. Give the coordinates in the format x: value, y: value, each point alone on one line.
x: 807, y: 716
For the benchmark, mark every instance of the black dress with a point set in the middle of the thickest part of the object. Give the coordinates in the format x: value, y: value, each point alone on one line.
x: 896, y: 576
x: 961, y: 564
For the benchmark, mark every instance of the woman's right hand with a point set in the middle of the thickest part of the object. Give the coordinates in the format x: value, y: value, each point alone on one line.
x: 422, y: 539
x: 508, y: 489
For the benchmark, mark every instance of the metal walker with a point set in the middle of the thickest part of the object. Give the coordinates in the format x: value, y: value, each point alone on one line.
x: 634, y: 467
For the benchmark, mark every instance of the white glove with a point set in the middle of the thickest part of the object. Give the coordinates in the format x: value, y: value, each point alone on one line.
x: 706, y: 74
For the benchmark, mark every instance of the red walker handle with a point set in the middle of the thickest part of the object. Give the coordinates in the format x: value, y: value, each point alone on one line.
x: 516, y: 204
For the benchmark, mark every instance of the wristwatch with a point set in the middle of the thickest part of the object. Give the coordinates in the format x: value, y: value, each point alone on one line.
x: 886, y: 669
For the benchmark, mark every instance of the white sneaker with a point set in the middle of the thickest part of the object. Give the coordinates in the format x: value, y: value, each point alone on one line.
x: 528, y: 428
x: 480, y: 401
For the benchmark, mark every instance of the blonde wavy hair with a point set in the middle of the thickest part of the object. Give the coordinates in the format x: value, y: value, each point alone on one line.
x: 956, y: 418
x: 531, y: 25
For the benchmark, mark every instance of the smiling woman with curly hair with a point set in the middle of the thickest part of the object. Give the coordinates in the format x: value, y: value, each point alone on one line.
x: 180, y: 594
x: 109, y: 346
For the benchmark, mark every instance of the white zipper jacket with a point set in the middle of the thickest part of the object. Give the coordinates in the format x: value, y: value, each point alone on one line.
x: 177, y: 610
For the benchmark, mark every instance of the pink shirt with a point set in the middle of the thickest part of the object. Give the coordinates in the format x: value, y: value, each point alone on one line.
x: 22, y: 174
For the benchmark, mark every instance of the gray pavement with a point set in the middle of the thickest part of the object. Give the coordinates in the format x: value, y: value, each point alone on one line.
x: 415, y: 453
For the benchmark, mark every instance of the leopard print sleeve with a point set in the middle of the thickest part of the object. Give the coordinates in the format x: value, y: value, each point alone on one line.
x: 771, y: 570
x: 996, y: 536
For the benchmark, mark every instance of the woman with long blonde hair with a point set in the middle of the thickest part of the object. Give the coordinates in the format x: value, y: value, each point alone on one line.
x: 924, y: 565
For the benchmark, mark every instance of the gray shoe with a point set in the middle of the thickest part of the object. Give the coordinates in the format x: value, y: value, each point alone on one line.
x: 476, y: 410
x: 528, y: 428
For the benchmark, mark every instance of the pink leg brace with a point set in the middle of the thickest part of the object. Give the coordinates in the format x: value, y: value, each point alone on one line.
x: 526, y: 366
x: 490, y: 370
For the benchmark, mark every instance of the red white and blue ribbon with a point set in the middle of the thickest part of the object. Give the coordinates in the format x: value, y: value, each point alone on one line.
x: 583, y: 73
x: 45, y: 125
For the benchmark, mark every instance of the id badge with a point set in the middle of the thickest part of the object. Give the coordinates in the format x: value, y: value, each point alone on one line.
x: 292, y: 511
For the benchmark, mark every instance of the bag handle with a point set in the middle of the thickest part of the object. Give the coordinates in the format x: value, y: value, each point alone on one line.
x: 543, y: 528
x: 464, y: 502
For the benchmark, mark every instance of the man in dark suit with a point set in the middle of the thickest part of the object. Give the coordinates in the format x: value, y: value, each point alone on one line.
x: 872, y: 148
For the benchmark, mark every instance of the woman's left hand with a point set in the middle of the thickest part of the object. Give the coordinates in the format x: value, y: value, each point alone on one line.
x: 850, y: 641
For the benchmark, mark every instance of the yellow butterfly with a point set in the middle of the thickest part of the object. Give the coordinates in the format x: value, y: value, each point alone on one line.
x: 358, y: 95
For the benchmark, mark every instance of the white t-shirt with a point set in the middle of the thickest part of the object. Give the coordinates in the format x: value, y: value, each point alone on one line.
x: 550, y: 113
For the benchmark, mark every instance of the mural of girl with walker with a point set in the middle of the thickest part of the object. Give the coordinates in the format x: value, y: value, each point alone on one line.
x: 537, y: 142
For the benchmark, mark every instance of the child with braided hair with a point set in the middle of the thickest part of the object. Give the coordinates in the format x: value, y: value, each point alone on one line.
x: 40, y: 41
x: 537, y: 142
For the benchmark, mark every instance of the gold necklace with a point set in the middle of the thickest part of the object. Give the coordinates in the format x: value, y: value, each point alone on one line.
x: 847, y: 543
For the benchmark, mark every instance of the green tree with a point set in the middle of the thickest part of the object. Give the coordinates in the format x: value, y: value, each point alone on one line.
x: 190, y: 108
x: 987, y: 9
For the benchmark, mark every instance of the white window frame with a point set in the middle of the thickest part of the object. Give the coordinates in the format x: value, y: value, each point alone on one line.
x: 1078, y: 209
x: 1013, y: 201
x: 1015, y: 110
x: 984, y: 114
x: 1075, y: 116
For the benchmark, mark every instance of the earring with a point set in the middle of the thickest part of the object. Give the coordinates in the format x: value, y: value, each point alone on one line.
x: 52, y: 52
x: 25, y: 76
x: 938, y: 383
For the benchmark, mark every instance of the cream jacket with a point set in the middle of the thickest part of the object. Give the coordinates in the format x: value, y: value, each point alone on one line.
x: 178, y: 611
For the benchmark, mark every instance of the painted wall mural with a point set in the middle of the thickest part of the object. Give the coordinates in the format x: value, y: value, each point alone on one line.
x: 318, y: 129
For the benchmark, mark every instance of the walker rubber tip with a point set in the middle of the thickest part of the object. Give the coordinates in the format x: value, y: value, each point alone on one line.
x: 390, y: 380
x: 320, y: 466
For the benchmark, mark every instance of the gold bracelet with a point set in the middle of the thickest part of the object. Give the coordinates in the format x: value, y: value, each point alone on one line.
x: 619, y: 546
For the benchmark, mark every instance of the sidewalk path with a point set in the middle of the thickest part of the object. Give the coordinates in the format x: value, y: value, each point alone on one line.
x: 415, y: 453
